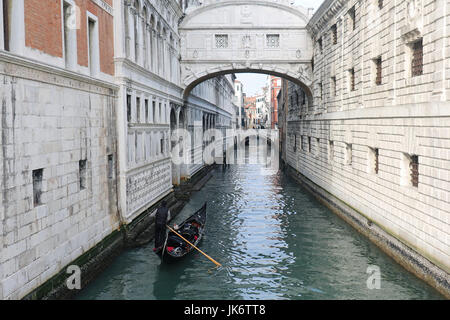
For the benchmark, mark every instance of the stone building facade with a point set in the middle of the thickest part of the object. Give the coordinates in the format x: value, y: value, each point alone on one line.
x: 90, y: 96
x: 376, y: 135
x: 58, y: 150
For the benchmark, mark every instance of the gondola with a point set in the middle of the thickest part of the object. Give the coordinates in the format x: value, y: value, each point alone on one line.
x: 191, y: 229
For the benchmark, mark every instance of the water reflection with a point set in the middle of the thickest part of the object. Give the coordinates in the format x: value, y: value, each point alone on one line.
x: 274, y: 240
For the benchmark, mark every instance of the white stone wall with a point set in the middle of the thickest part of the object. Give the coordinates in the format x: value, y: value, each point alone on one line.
x: 147, y: 70
x: 404, y: 115
x: 210, y: 105
x: 50, y: 120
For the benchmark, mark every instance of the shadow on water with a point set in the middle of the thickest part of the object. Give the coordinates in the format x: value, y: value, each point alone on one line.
x: 167, y: 280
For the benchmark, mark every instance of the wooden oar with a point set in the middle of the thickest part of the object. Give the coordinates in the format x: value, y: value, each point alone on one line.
x: 217, y: 264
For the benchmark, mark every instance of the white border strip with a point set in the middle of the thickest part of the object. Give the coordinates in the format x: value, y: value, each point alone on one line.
x: 102, y: 4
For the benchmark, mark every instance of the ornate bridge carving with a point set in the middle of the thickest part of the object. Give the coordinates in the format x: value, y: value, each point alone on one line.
x: 232, y: 36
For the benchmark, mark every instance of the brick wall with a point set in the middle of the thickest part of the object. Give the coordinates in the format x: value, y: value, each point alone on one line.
x: 106, y: 36
x: 43, y: 31
x: 43, y: 26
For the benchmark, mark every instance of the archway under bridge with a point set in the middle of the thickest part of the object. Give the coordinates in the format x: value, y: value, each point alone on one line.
x: 236, y: 36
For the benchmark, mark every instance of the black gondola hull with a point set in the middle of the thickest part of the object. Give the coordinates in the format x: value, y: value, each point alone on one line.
x: 191, y: 229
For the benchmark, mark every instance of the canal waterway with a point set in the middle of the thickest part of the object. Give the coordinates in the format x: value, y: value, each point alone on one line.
x: 274, y: 240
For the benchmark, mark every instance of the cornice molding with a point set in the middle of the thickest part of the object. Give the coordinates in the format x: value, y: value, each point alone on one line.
x: 37, y: 71
x: 327, y: 11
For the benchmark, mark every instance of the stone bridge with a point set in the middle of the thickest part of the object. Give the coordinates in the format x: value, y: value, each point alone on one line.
x: 233, y: 36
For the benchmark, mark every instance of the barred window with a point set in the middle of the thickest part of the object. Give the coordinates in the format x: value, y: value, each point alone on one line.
x: 414, y: 166
x: 348, y: 154
x: 376, y: 154
x: 273, y: 40
x: 37, y: 186
x: 334, y: 34
x: 319, y: 42
x: 221, y: 41
x: 352, y: 16
x: 417, y: 58
x: 351, y: 74
x: 378, y: 68
x: 82, y: 166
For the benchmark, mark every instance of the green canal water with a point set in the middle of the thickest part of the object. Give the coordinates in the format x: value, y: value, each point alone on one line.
x: 274, y: 240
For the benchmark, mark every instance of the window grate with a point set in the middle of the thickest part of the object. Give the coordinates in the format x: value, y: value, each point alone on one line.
x: 417, y: 58
x: 352, y: 79
x: 352, y: 15
x: 414, y: 166
x: 37, y: 186
x: 378, y: 78
x: 273, y: 40
x: 376, y: 160
x: 221, y: 41
x: 334, y: 34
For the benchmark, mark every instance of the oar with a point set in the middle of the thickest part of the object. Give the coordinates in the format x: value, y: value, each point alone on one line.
x: 217, y: 264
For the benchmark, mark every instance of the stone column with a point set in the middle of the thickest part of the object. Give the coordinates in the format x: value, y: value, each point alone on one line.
x: 131, y: 41
x: 17, y: 27
x: 149, y: 47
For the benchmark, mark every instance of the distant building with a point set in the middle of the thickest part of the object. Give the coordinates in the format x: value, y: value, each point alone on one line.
x: 239, y: 101
x: 274, y: 89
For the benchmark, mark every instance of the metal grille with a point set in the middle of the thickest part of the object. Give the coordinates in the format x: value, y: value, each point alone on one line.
x: 378, y: 67
x: 417, y: 58
x: 376, y: 160
x: 414, y: 166
x: 352, y: 79
x: 221, y: 41
x: 273, y: 40
x: 334, y: 34
x: 352, y: 15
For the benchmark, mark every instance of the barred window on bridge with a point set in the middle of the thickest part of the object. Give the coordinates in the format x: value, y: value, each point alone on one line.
x: 221, y: 41
x: 273, y: 40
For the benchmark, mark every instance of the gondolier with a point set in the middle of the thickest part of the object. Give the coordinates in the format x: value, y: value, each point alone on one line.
x: 183, y: 238
x: 161, y: 219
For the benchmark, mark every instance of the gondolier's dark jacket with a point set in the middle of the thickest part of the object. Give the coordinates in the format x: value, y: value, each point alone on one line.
x: 162, y: 215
